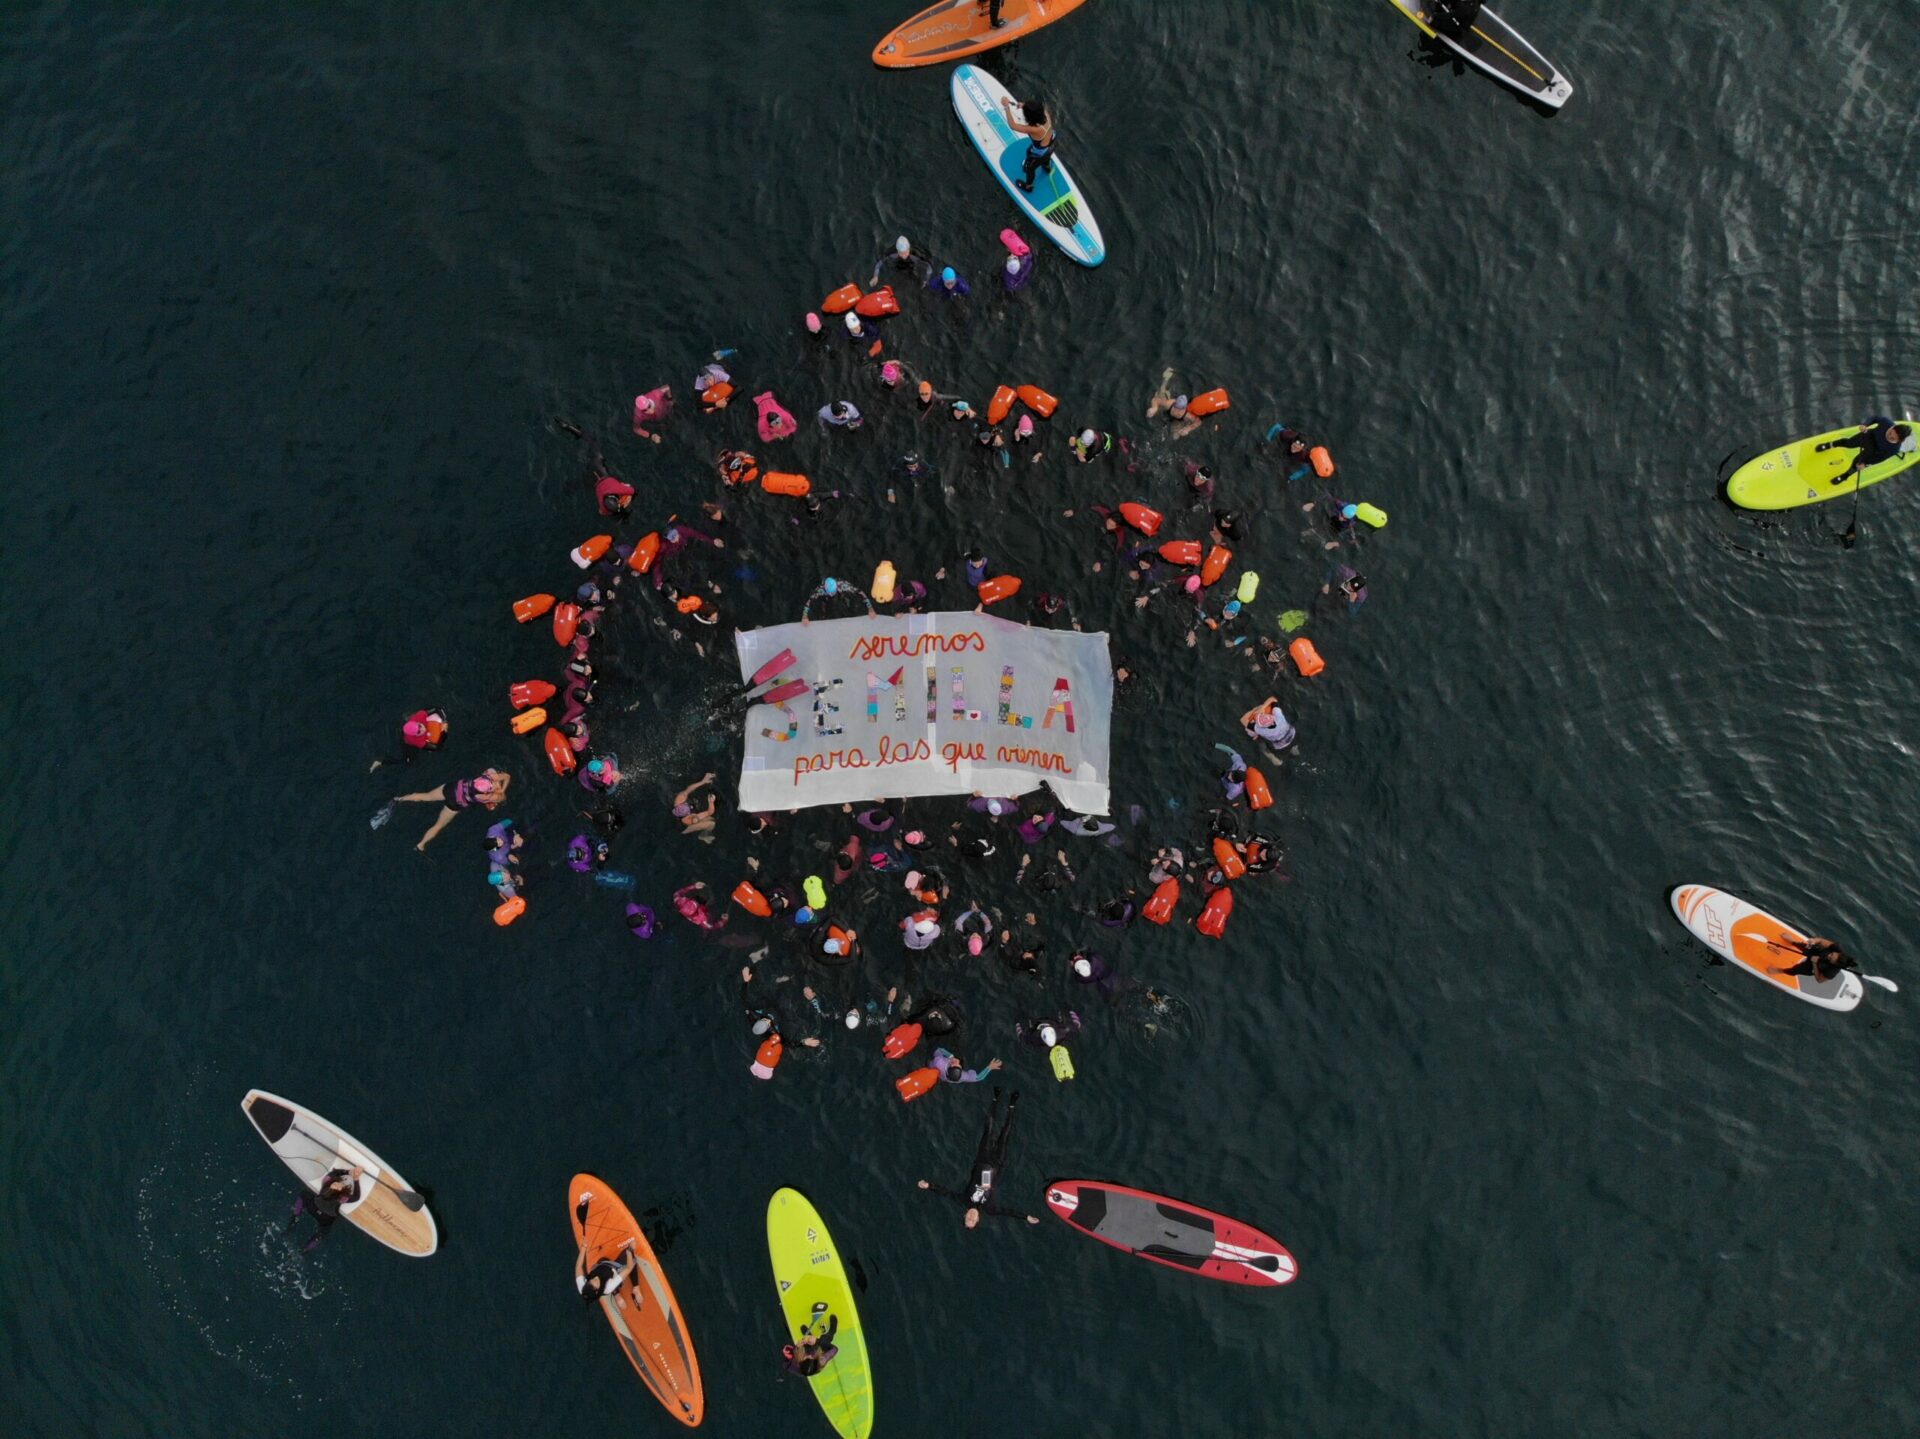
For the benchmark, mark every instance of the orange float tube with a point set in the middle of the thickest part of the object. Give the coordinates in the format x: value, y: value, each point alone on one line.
x: 842, y: 299
x: 779, y: 482
x: 527, y: 721
x: 1001, y: 405
x: 1218, y: 558
x: 911, y: 1086
x: 1211, y: 403
x: 645, y: 552
x: 1306, y: 658
x: 1212, y: 919
x: 900, y: 1041
x: 1159, y: 906
x: 587, y: 551
x: 1322, y: 461
x: 529, y: 692
x: 878, y: 305
x: 687, y: 604
x: 1181, y: 552
x: 508, y: 910
x: 1146, y: 521
x: 766, y: 1058
x: 1259, y: 795
x: 1037, y: 400
x: 751, y: 900
x: 1228, y: 858
x: 559, y: 752
x: 566, y: 619
x: 1000, y: 587
x: 532, y: 607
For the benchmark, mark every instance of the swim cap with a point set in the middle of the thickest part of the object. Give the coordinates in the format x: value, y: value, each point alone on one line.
x: 1347, y: 512
x: 803, y: 915
x: 1049, y: 1036
x: 1087, y: 437
x: 1232, y: 608
x: 1013, y: 264
x: 915, y: 836
x: 1193, y: 584
x: 483, y: 784
x: 852, y: 1021
x: 595, y: 766
x: 413, y: 727
x: 813, y: 323
x: 947, y: 276
x: 832, y: 585
x: 682, y: 810
x: 1083, y: 967
x: 901, y: 247
x: 762, y: 1023
x: 496, y: 877
x: 1179, y: 403
x: 890, y: 373
x: 974, y: 946
x: 1025, y: 426
x: 926, y: 392
x: 853, y: 323
x: 923, y: 927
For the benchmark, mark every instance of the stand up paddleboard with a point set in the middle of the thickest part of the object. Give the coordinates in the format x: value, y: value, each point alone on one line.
x: 310, y: 1146
x: 645, y: 1316
x: 1760, y: 944
x: 1502, y: 52
x: 1055, y: 205
x: 808, y: 1273
x: 1172, y: 1232
x: 1801, y: 473
x: 955, y: 29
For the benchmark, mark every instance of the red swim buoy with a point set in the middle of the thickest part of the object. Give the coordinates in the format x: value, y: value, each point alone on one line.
x: 1228, y: 858
x: 878, y: 305
x: 1218, y: 558
x: 645, y: 551
x: 1159, y: 907
x: 529, y: 692
x: 1141, y: 518
x: 1211, y: 403
x: 912, y: 1085
x: 532, y: 607
x: 1181, y: 552
x: 842, y: 299
x: 751, y: 900
x: 1212, y: 919
x: 1322, y: 461
x: 1037, y: 400
x: 559, y: 752
x: 766, y: 1058
x: 566, y: 619
x: 900, y: 1041
x: 1305, y: 657
x: 779, y: 482
x: 589, y: 550
x: 1259, y: 796
x: 1000, y: 405
x: 1000, y: 587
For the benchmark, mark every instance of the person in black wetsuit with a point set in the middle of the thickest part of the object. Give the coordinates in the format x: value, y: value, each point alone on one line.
x: 341, y: 1186
x: 1879, y: 439
x: 1824, y: 959
x: 1453, y: 18
x: 988, y: 1160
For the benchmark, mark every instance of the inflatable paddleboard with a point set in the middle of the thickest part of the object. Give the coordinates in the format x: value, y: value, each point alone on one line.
x: 955, y: 29
x: 311, y: 1146
x: 1801, y: 473
x: 645, y: 1316
x: 1055, y: 205
x: 808, y: 1272
x: 1172, y: 1232
x: 1502, y: 52
x: 1759, y: 944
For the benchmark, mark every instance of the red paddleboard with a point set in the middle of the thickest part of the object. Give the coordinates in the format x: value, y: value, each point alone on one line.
x: 954, y: 29
x: 1172, y: 1232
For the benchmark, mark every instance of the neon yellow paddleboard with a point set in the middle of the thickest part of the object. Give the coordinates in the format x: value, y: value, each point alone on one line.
x: 1801, y: 473
x: 807, y: 1271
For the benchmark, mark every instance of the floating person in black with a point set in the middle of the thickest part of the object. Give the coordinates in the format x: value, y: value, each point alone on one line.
x: 340, y: 1186
x: 988, y: 1160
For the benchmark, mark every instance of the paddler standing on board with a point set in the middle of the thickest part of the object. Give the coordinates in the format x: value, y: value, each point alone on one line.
x: 1032, y: 121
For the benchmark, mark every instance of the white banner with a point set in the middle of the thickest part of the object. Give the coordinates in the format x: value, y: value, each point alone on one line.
x: 946, y: 703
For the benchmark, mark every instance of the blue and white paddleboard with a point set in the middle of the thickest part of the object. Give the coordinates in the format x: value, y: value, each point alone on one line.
x: 1056, y: 204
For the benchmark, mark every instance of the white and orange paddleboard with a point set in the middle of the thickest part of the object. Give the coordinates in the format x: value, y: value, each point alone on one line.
x: 1759, y: 944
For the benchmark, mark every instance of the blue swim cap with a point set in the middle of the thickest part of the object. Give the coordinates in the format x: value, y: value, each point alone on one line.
x: 496, y: 877
x: 1347, y: 512
x: 1233, y: 607
x: 594, y: 766
x: 947, y: 277
x: 803, y: 915
x: 833, y: 585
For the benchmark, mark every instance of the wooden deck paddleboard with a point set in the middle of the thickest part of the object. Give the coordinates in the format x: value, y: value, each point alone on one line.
x: 954, y: 29
x: 1760, y: 944
x: 643, y: 1313
x: 311, y: 1146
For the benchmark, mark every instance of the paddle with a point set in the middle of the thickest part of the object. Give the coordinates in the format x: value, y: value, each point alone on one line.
x: 766, y: 672
x: 1881, y: 980
x: 405, y: 1196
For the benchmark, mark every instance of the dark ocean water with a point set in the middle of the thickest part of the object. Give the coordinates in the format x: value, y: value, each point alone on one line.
x: 286, y: 302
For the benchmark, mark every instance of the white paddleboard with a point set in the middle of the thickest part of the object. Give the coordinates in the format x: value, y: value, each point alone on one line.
x: 1753, y: 940
x: 311, y: 1146
x: 1056, y: 204
x: 1497, y: 49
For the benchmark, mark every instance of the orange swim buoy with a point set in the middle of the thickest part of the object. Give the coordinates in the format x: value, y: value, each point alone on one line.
x: 716, y: 396
x: 1305, y: 657
x: 1218, y: 558
x: 532, y: 607
x: 1228, y: 858
x: 559, y: 752
x: 1212, y: 919
x: 766, y: 1058
x: 1211, y: 403
x: 912, y: 1085
x: 842, y: 299
x: 508, y: 910
x: 1259, y: 796
x: 687, y: 604
x: 1000, y: 405
x: 1000, y: 587
x: 1322, y: 461
x: 1141, y: 518
x: 900, y: 1041
x: 1159, y: 907
x: 1181, y: 552
x: 529, y: 692
x: 644, y: 554
x: 1037, y: 400
x: 779, y: 482
x: 528, y: 721
x: 566, y: 619
x: 878, y: 305
x: 751, y: 900
x: 590, y: 550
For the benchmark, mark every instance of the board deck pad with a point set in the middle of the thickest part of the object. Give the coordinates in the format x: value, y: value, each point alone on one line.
x: 955, y: 29
x: 1760, y: 944
x: 312, y: 1146
x: 1055, y: 203
x: 1499, y: 50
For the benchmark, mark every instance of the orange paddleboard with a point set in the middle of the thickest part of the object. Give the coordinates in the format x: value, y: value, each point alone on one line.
x: 955, y: 29
x: 1760, y: 944
x: 643, y: 1312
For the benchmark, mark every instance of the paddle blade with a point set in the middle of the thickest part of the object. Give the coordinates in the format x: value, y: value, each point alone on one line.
x: 1888, y: 985
x: 410, y: 1199
x: 580, y: 1209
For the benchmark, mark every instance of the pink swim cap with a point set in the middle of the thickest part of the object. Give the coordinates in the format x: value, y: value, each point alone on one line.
x: 973, y: 944
x: 1025, y: 427
x: 1193, y: 584
x: 414, y: 728
x: 890, y: 373
x: 813, y: 323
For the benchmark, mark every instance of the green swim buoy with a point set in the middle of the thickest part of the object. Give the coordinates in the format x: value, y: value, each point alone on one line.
x: 1293, y: 620
x: 1062, y: 1063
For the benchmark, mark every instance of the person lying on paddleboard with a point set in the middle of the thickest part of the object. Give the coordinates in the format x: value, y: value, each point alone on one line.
x: 341, y: 1186
x: 813, y: 1352
x: 988, y: 1160
x: 1878, y: 440
x: 1033, y: 122
x: 602, y: 1281
x: 1824, y: 959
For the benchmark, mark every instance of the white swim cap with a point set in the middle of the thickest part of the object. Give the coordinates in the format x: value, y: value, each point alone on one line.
x: 1013, y: 264
x: 1087, y: 437
x: 1049, y: 1036
x: 853, y: 323
x: 853, y: 1019
x: 1083, y: 967
x: 901, y: 247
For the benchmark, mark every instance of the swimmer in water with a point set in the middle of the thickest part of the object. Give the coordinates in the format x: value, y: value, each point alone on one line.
x: 952, y: 1071
x: 1265, y: 721
x: 1174, y: 407
x: 989, y: 1161
x: 692, y: 821
x: 949, y: 285
x: 486, y: 790
x: 650, y: 409
x: 1090, y: 445
x: 840, y: 415
x: 1090, y: 967
x: 611, y: 496
x: 1295, y: 451
x: 903, y: 261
